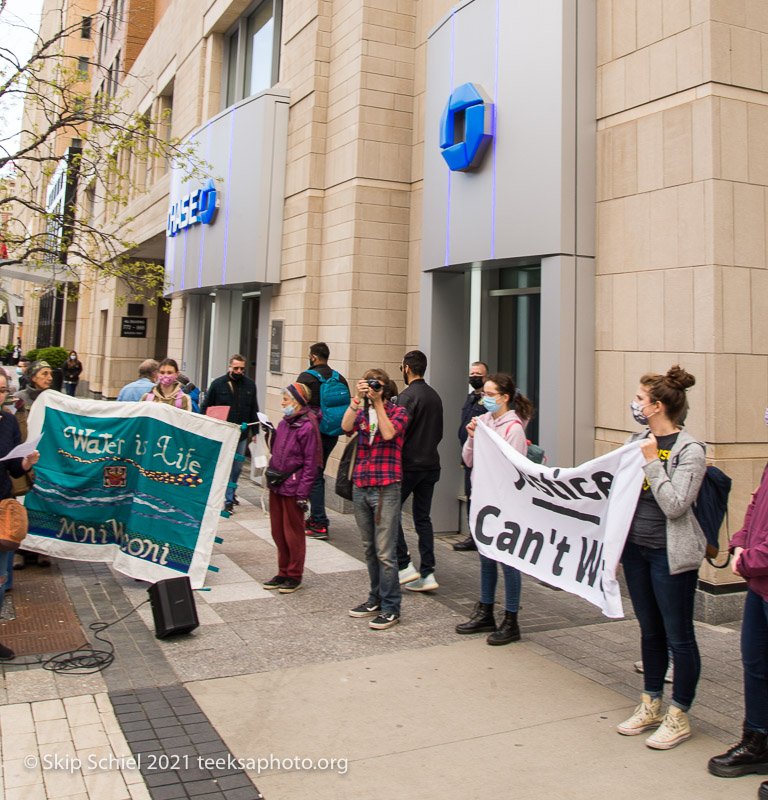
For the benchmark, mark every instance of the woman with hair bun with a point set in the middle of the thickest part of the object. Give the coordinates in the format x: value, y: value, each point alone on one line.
x: 662, y: 556
x: 508, y: 412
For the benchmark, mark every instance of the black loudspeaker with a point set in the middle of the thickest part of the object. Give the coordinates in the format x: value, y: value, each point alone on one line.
x: 173, y: 607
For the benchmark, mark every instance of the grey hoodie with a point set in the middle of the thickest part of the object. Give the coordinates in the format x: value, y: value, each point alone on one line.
x: 675, y: 489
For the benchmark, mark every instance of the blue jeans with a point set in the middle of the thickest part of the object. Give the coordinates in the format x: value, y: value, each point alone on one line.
x: 422, y: 486
x: 70, y: 387
x: 663, y: 604
x: 317, y: 495
x: 237, y: 468
x: 489, y: 574
x: 377, y: 511
x: 6, y: 573
x: 754, y: 656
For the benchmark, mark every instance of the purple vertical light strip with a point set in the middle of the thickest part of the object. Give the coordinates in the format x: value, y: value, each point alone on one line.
x: 493, y: 133
x: 202, y: 227
x: 228, y: 191
x: 184, y: 260
x: 448, y: 211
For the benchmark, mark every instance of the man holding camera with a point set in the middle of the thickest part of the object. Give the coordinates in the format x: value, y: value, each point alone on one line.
x: 376, y: 480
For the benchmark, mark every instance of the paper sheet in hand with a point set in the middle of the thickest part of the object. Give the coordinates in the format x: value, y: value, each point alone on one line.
x: 24, y: 449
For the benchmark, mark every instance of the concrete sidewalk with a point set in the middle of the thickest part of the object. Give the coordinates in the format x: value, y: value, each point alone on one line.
x: 461, y: 720
x: 411, y: 711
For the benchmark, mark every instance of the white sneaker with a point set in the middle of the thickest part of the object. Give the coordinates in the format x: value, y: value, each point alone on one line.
x: 668, y: 678
x: 408, y: 574
x: 647, y: 715
x: 674, y: 729
x: 425, y: 584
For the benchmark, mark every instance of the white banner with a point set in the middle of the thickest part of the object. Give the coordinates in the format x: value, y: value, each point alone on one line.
x: 566, y: 527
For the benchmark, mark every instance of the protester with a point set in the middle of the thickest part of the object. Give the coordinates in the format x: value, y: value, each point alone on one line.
x: 473, y: 407
x: 749, y: 548
x: 189, y: 388
x: 376, y: 481
x: 507, y: 414
x: 662, y: 556
x: 296, y: 452
x: 39, y: 378
x: 320, y: 379
x: 21, y: 372
x: 10, y: 437
x: 169, y: 390
x: 71, y: 373
x: 421, y: 470
x: 238, y: 392
x: 137, y: 389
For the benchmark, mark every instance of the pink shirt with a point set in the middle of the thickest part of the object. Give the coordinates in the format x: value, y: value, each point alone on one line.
x: 509, y: 426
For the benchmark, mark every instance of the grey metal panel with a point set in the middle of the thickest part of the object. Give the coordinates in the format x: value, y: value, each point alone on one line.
x: 528, y: 207
x: 245, y: 146
x: 584, y: 369
x: 586, y: 136
x: 557, y: 356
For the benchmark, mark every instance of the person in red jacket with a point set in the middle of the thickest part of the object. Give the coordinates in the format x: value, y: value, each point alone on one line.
x: 296, y: 452
x: 749, y: 548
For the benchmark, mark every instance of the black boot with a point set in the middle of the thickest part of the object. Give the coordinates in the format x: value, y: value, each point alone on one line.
x: 508, y: 631
x: 465, y: 544
x: 749, y: 756
x: 481, y: 620
x: 762, y: 792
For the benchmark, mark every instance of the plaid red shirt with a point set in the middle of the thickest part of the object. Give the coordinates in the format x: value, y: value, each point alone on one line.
x: 380, y: 463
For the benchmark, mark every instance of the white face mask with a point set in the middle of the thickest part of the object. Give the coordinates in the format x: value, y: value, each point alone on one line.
x: 637, y: 412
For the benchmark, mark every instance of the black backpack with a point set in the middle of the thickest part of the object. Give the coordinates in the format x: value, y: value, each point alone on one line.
x: 710, y: 508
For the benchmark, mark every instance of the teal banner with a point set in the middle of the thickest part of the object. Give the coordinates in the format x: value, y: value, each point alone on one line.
x: 136, y: 485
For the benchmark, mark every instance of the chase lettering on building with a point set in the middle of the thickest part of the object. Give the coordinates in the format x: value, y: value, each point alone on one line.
x: 463, y: 145
x: 194, y: 208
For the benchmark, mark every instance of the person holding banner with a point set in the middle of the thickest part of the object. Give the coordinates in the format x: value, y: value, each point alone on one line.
x: 169, y: 389
x: 10, y: 437
x: 662, y: 555
x: 749, y: 547
x: 508, y: 412
x: 292, y: 471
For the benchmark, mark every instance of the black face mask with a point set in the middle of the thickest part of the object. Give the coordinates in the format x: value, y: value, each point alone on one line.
x: 476, y: 382
x: 236, y: 376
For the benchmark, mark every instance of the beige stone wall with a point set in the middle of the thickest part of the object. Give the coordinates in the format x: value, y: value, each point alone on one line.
x: 681, y: 220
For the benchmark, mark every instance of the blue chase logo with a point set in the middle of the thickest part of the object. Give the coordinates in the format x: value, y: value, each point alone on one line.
x: 466, y: 127
x: 195, y: 208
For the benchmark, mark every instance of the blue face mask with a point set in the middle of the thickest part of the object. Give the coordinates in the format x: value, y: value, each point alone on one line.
x: 491, y: 404
x: 288, y: 410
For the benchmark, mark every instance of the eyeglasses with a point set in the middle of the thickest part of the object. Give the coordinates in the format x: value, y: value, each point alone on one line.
x: 237, y: 369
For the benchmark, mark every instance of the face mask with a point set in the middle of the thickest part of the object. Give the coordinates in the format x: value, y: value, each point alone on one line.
x: 236, y: 376
x: 71, y: 358
x: 637, y: 412
x: 766, y: 416
x: 166, y: 380
x: 491, y: 404
x: 288, y: 410
x: 476, y: 382
x: 19, y: 370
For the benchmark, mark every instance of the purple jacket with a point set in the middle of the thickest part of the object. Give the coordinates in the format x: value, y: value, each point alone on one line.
x: 753, y: 537
x: 294, y: 450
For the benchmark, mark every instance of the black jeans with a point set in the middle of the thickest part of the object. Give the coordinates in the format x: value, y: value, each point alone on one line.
x: 317, y: 493
x: 422, y: 486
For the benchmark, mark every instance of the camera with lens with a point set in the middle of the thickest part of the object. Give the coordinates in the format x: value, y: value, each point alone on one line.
x: 376, y: 385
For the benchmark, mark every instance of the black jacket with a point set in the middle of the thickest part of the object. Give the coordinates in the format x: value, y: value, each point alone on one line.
x: 71, y: 371
x: 425, y: 426
x: 10, y: 437
x: 472, y: 408
x: 241, y: 399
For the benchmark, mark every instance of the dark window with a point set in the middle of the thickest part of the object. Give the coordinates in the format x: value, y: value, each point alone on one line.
x: 85, y: 27
x: 83, y: 66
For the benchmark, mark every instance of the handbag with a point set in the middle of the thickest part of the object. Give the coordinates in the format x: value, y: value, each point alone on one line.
x: 13, y: 524
x: 275, y: 477
x: 23, y: 485
x: 346, y: 468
